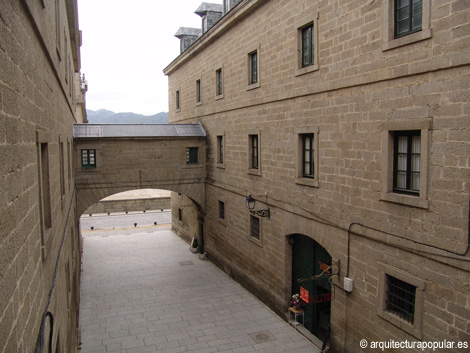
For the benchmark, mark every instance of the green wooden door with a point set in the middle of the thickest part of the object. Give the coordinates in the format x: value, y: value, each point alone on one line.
x: 310, y: 259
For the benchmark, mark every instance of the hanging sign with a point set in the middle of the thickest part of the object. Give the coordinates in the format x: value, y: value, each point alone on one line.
x: 324, y: 267
x: 321, y: 298
x: 304, y: 295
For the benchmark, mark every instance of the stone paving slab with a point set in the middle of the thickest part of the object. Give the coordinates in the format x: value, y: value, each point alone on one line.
x: 146, y: 292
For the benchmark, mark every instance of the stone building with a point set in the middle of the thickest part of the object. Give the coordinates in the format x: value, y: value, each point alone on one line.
x: 41, y: 97
x: 348, y: 123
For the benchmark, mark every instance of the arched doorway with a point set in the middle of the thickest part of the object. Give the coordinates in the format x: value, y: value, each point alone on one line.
x: 309, y: 260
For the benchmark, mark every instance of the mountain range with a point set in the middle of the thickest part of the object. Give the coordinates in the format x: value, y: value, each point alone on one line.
x: 104, y: 116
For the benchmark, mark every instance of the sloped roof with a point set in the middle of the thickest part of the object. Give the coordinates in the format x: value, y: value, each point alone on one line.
x: 209, y: 7
x: 138, y: 130
x: 188, y: 31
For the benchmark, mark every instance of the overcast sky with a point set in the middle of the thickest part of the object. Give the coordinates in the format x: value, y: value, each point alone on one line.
x: 125, y: 47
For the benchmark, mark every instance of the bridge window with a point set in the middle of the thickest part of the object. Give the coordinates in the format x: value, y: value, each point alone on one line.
x: 88, y: 158
x: 192, y: 155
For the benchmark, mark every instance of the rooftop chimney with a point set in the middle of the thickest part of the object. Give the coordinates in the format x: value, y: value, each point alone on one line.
x: 210, y: 14
x: 187, y: 37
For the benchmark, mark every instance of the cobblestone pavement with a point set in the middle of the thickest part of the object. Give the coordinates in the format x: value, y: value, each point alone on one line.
x: 144, y: 291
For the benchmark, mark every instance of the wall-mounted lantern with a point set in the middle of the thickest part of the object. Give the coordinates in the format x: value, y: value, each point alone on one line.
x: 250, y: 204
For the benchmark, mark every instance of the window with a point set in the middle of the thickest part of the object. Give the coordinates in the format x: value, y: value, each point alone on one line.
x: 180, y: 214
x: 221, y: 210
x: 192, y: 155
x: 254, y: 152
x: 307, y: 46
x: 308, y: 164
x: 254, y: 227
x: 218, y: 83
x: 220, y: 149
x: 45, y: 191
x: 408, y: 17
x: 406, y: 162
x: 406, y: 22
x: 307, y: 156
x: 198, y: 91
x: 177, y: 100
x: 253, y: 68
x: 62, y: 167
x: 57, y: 26
x: 88, y: 158
x: 400, y: 298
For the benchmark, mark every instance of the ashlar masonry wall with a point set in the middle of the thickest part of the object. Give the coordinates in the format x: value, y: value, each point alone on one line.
x: 363, y: 87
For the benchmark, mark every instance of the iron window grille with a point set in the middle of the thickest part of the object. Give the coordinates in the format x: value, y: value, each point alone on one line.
x: 88, y: 158
x: 308, y: 169
x: 198, y: 91
x: 219, y: 88
x: 254, y: 151
x: 400, y: 299
x: 177, y: 100
x: 220, y: 149
x: 221, y: 210
x: 192, y: 155
x: 255, y: 227
x: 406, y: 163
x: 180, y: 214
x: 307, y: 46
x: 254, y: 68
x: 408, y: 17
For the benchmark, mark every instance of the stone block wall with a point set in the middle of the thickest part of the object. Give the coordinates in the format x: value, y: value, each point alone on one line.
x: 39, y: 239
x: 112, y: 206
x: 363, y: 87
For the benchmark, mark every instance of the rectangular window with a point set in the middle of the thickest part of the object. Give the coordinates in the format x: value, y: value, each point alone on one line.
x: 221, y: 210
x: 88, y: 158
x: 220, y: 149
x: 45, y: 191
x: 198, y: 91
x: 407, y: 162
x: 57, y: 25
x: 308, y: 152
x: 400, y: 298
x: 177, y: 100
x: 62, y: 167
x: 254, y: 227
x: 253, y: 68
x: 192, y: 155
x: 408, y: 17
x: 180, y: 214
x: 307, y: 46
x: 254, y: 152
x: 219, y: 87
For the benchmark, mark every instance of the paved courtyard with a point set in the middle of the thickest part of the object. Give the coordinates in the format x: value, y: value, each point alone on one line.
x: 144, y: 291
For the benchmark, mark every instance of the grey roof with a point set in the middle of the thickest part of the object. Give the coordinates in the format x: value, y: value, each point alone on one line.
x: 188, y: 31
x: 138, y: 130
x: 209, y: 7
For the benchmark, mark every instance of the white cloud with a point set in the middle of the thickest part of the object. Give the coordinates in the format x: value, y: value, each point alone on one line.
x: 126, y: 46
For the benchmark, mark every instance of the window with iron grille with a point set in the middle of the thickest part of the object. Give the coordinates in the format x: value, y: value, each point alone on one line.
x: 307, y: 46
x: 254, y: 152
x: 308, y: 163
x: 198, y: 91
x: 192, y: 155
x: 400, y: 298
x: 221, y: 210
x: 180, y: 214
x: 177, y: 100
x: 253, y: 67
x: 220, y: 149
x: 219, y: 87
x: 406, y: 163
x: 408, y: 17
x: 254, y: 227
x: 88, y: 158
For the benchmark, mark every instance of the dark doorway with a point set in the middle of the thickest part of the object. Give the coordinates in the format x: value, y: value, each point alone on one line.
x: 310, y: 259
